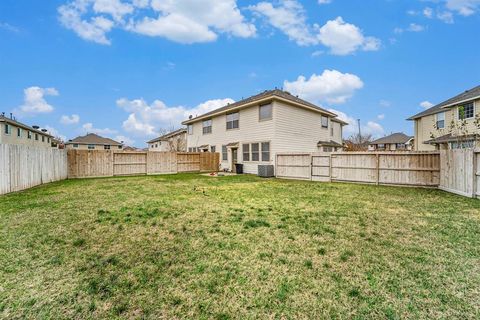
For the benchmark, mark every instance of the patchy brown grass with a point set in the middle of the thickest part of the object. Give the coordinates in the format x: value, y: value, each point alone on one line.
x: 190, y: 246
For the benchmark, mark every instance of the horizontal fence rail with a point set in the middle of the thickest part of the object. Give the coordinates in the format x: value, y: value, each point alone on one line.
x: 23, y: 167
x: 386, y: 168
x: 92, y: 163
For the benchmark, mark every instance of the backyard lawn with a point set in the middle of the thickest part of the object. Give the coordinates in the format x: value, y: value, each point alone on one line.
x: 191, y: 246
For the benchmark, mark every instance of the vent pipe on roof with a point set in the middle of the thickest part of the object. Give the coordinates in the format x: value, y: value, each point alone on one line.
x: 44, y: 130
x: 36, y: 127
x: 11, y: 115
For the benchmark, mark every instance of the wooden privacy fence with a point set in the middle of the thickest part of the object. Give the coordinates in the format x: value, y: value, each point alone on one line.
x: 23, y: 167
x: 460, y: 172
x: 85, y: 163
x: 386, y: 168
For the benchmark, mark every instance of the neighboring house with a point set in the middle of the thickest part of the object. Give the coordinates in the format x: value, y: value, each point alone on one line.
x: 14, y: 132
x: 451, y: 124
x: 395, y: 142
x: 252, y: 131
x: 172, y: 141
x: 93, y: 141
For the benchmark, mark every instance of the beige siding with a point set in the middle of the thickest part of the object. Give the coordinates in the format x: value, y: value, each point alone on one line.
x: 178, y: 142
x: 425, y: 127
x: 97, y: 147
x: 291, y: 129
x: 13, y: 138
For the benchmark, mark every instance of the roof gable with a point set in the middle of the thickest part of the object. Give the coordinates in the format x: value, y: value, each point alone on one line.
x: 93, y: 138
x: 168, y: 135
x: 398, y: 137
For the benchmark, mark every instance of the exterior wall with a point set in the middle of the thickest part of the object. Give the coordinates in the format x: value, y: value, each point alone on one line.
x: 85, y: 147
x: 13, y: 138
x: 425, y: 127
x: 291, y: 129
x: 179, y: 143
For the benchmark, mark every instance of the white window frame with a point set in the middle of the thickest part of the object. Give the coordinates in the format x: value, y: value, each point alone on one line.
x: 464, y: 105
x: 324, y: 125
x: 190, y: 129
x: 8, y: 129
x: 224, y: 153
x: 207, y: 126
x: 233, y: 119
x: 265, y: 154
x: 437, y: 120
x: 246, y: 152
x: 91, y: 147
x: 19, y: 132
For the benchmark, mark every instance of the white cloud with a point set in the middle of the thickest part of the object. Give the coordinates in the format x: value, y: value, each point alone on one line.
x: 324, y: 1
x: 372, y: 127
x: 184, y: 21
x: 67, y: 120
x: 344, y: 38
x: 385, y: 103
x: 34, y: 101
x: 428, y: 12
x: 340, y: 37
x: 446, y: 17
x: 89, y: 128
x: 381, y: 116
x: 9, y: 27
x: 146, y: 120
x: 426, y: 104
x: 289, y: 17
x: 126, y: 140
x: 463, y: 7
x: 331, y: 86
x: 413, y: 27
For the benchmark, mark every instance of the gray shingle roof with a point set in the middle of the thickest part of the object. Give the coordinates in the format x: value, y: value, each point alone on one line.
x: 23, y: 126
x: 450, y: 138
x: 462, y: 97
x: 93, y: 138
x: 398, y: 137
x: 168, y: 135
x: 260, y: 96
x: 330, y: 143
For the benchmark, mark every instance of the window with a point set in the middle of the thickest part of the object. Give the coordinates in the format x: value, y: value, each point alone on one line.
x: 190, y: 129
x: 106, y: 147
x: 19, y: 132
x: 324, y: 122
x: 233, y: 120
x: 29, y: 135
x: 120, y: 147
x: 48, y: 140
x: 381, y: 146
x: 207, y: 126
x: 43, y: 138
x: 36, y: 136
x: 440, y: 120
x: 213, y: 149
x: 265, y: 151
x: 331, y: 131
x: 255, y: 152
x: 75, y: 145
x: 466, y: 111
x: 91, y: 147
x: 468, y: 144
x: 8, y: 129
x: 265, y: 112
x: 246, y: 152
x: 224, y: 153
x: 327, y: 149
x: 401, y: 146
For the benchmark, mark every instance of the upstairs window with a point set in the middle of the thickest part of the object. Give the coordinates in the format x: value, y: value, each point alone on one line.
x: 265, y: 112
x: 224, y: 153
x: 331, y: 131
x: 36, y: 136
x: 213, y: 149
x: 190, y: 129
x: 43, y: 138
x: 8, y: 129
x: 265, y: 151
x: 324, y: 122
x: 440, y: 120
x: 466, y: 111
x: 246, y: 152
x: 207, y: 126
x: 233, y: 120
x: 19, y: 132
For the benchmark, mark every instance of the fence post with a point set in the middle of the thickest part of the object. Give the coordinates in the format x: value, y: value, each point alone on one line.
x: 474, y: 174
x: 378, y: 168
x: 311, y: 166
x: 330, y: 167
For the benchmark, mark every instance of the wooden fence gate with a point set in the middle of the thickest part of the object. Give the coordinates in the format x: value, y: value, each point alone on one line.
x: 460, y: 172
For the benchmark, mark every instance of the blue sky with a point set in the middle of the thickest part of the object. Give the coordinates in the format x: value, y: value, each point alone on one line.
x: 129, y: 68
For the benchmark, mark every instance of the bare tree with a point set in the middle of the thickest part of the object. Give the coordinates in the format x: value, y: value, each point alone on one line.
x: 458, y: 129
x: 358, y: 142
x: 176, y: 143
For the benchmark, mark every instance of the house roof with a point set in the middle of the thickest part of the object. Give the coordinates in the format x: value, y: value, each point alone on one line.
x: 466, y: 96
x: 451, y: 138
x: 265, y: 96
x: 398, y: 137
x: 93, y: 138
x: 330, y: 143
x: 168, y: 135
x: 23, y: 126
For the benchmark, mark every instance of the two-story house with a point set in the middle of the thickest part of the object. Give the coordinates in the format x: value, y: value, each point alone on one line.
x: 451, y: 124
x: 93, y: 141
x: 15, y: 132
x: 252, y: 131
x: 175, y: 141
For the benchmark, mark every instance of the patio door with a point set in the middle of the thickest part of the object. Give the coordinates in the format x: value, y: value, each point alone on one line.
x: 234, y: 158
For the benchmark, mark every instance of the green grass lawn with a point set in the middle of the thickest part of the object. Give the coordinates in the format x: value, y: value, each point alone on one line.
x: 190, y: 246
